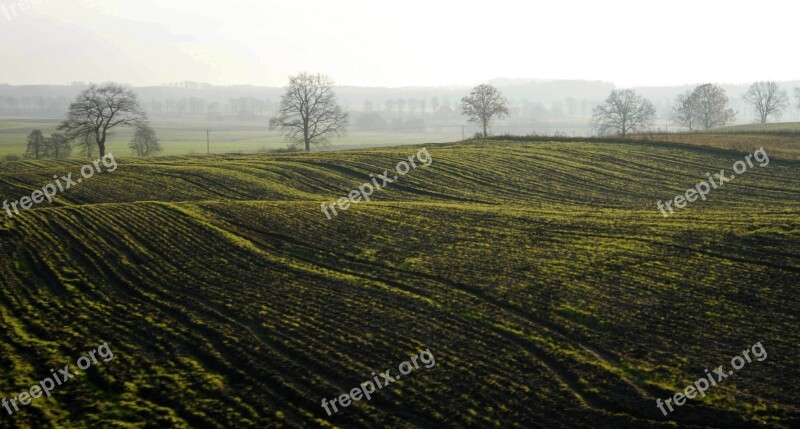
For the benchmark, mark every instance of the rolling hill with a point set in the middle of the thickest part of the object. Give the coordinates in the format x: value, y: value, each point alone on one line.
x: 540, y: 275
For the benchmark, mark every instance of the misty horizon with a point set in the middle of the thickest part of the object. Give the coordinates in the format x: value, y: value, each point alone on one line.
x: 366, y: 44
x: 500, y: 82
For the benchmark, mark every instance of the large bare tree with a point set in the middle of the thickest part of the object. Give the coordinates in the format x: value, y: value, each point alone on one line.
x: 711, y: 107
x: 623, y: 112
x: 483, y: 105
x: 309, y: 113
x: 98, y: 109
x: 768, y: 99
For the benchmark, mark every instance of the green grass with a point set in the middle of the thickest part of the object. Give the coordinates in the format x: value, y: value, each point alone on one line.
x: 550, y: 290
x: 779, y: 127
x: 183, y: 137
x: 778, y: 144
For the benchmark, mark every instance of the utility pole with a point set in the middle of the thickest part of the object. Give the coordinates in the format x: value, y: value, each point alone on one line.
x: 208, y: 142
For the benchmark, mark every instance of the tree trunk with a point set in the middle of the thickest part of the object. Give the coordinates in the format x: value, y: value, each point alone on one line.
x: 484, y: 130
x: 101, y: 145
x: 305, y: 139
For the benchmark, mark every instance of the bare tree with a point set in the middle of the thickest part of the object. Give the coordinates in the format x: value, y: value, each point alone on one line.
x: 684, y: 111
x: 711, y: 107
x: 623, y: 112
x: 98, y: 109
x: 797, y: 97
x: 145, y: 142
x: 59, y: 146
x: 86, y: 144
x: 767, y: 99
x: 37, y: 147
x: 308, y: 113
x: 484, y: 104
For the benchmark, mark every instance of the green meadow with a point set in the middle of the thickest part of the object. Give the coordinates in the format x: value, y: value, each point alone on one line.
x: 185, y: 137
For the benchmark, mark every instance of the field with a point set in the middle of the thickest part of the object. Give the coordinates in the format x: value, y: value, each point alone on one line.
x: 185, y: 137
x: 540, y: 275
x: 781, y: 140
x: 778, y: 127
x: 188, y: 137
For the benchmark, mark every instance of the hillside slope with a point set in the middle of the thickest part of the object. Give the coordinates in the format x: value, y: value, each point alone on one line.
x: 541, y: 276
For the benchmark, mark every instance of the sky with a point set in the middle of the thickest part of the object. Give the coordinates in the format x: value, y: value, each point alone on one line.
x: 396, y: 43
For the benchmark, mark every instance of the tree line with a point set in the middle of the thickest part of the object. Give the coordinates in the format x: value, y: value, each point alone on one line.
x: 97, y: 110
x: 705, y: 107
x: 56, y: 146
x: 309, y: 115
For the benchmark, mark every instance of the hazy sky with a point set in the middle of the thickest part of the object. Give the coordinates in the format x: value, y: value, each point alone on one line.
x: 397, y: 43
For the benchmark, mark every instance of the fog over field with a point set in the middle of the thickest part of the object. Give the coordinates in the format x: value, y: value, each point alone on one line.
x: 238, y: 115
x: 206, y: 65
x: 416, y: 43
